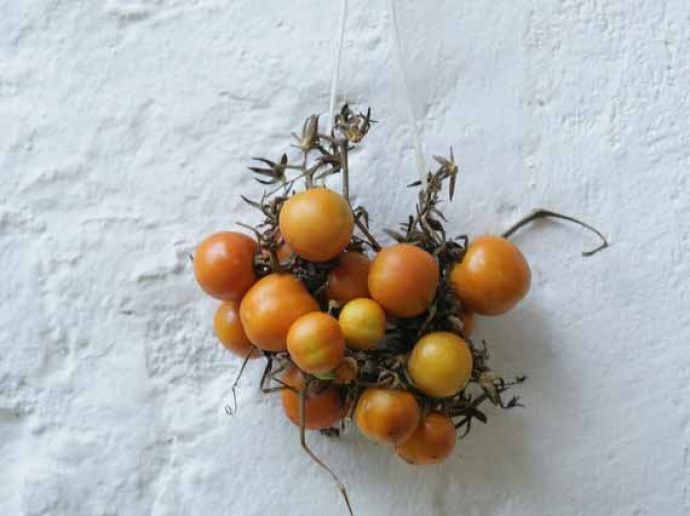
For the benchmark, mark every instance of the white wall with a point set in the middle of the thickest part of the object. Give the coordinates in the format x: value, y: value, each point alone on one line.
x: 126, y: 127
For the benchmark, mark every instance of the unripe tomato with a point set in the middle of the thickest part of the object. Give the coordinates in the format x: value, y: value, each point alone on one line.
x: 467, y: 323
x: 387, y: 416
x: 440, y: 364
x: 224, y: 265
x: 403, y: 279
x: 316, y: 343
x: 432, y: 441
x: 317, y: 224
x: 492, y: 276
x: 322, y: 409
x: 349, y: 279
x: 363, y: 323
x: 228, y: 328
x: 271, y: 306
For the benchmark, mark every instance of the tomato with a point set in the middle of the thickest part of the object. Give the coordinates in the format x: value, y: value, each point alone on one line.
x: 492, y: 276
x: 224, y: 265
x: 229, y: 331
x: 440, y: 364
x: 323, y: 409
x: 432, y: 441
x: 346, y: 371
x: 467, y: 323
x: 317, y: 224
x: 403, y: 279
x: 316, y: 343
x: 349, y: 279
x: 363, y: 323
x: 271, y: 306
x: 387, y: 416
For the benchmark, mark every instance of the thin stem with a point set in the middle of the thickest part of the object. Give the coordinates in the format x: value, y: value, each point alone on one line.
x: 336, y: 68
x: 370, y: 238
x: 542, y: 214
x: 342, y: 149
x: 233, y: 411
x: 303, y: 442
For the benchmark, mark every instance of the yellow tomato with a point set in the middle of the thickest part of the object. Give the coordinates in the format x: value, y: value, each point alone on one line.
x: 440, y: 364
x: 316, y: 343
x: 363, y: 323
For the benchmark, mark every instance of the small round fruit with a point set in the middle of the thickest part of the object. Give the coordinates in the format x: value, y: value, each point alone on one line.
x: 224, y: 265
x: 316, y: 343
x: 349, y: 279
x: 432, y: 441
x: 323, y: 409
x: 492, y: 276
x: 228, y: 328
x: 363, y: 323
x: 346, y: 371
x: 387, y: 416
x: 467, y: 319
x: 317, y: 224
x: 440, y: 364
x: 271, y: 306
x: 403, y: 279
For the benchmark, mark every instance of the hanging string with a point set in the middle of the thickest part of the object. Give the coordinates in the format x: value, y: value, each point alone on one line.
x: 416, y: 138
x: 336, y: 70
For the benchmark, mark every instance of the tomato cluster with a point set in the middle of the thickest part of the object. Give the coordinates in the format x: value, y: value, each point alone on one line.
x: 327, y: 335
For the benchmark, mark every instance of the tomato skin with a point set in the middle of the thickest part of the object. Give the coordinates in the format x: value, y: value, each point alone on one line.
x: 492, y: 277
x: 224, y: 265
x: 271, y: 306
x: 467, y: 323
x: 363, y: 323
x: 323, y: 409
x: 432, y: 441
x: 228, y: 328
x: 317, y: 224
x: 403, y: 278
x: 316, y: 343
x: 387, y: 416
x: 349, y: 279
x: 440, y: 364
x: 346, y: 371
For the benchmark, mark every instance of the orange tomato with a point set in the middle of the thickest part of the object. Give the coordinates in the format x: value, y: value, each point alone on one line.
x: 440, y: 364
x: 224, y: 265
x: 467, y: 323
x: 432, y: 441
x: 492, y: 276
x: 346, y: 371
x: 316, y: 343
x: 403, y: 278
x: 348, y: 280
x: 387, y: 416
x: 363, y: 323
x: 317, y: 224
x: 228, y: 328
x: 322, y: 409
x: 271, y: 306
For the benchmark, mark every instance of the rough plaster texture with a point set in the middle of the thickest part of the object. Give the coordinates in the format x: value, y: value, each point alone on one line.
x: 125, y: 129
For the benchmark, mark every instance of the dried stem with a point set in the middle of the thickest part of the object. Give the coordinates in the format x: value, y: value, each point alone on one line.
x: 314, y: 457
x: 233, y: 411
x: 542, y: 214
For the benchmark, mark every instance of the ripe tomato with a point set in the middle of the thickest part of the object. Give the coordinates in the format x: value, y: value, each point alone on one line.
x: 363, y: 323
x: 317, y: 224
x: 346, y: 371
x: 467, y: 323
x: 403, y: 279
x: 322, y: 409
x: 224, y: 265
x: 229, y: 331
x: 432, y: 441
x: 349, y: 279
x: 387, y: 416
x: 492, y: 276
x: 440, y: 364
x: 316, y: 343
x: 271, y: 306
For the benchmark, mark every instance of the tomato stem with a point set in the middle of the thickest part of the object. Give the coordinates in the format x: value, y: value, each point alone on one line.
x: 232, y: 411
x: 543, y: 214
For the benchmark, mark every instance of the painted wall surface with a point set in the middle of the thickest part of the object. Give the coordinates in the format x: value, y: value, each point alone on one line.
x: 125, y: 130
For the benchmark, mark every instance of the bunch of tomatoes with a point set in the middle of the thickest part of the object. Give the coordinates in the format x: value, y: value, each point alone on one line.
x: 328, y: 331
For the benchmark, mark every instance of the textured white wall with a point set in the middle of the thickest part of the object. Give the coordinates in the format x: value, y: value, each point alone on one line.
x: 125, y: 129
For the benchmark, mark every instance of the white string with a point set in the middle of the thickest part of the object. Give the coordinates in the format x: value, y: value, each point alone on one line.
x: 336, y: 70
x: 417, y: 140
